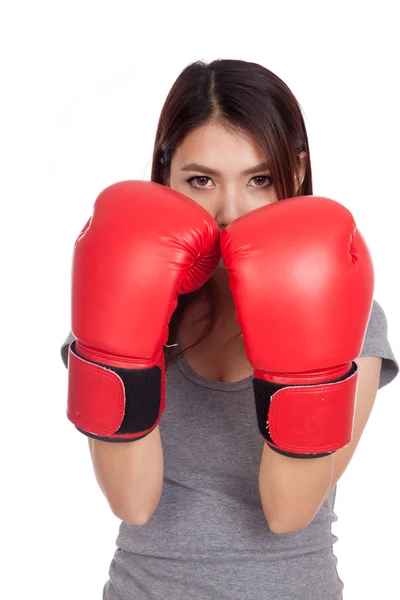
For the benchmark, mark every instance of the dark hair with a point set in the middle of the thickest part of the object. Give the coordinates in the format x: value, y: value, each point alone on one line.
x: 242, y: 96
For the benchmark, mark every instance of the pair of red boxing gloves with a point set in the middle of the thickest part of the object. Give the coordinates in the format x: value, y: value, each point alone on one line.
x: 302, y: 280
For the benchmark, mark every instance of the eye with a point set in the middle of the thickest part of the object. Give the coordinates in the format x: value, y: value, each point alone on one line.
x: 262, y: 179
x: 199, y: 179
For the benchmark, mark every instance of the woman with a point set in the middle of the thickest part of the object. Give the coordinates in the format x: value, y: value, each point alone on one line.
x: 193, y: 492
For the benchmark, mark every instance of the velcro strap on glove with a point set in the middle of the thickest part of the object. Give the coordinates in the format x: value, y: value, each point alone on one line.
x: 307, y: 421
x: 113, y: 404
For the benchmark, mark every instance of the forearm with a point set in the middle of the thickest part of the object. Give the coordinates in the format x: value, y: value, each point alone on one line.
x: 292, y: 489
x: 130, y: 475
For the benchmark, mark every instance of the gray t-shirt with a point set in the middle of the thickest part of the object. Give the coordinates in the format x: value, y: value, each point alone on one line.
x: 209, y: 539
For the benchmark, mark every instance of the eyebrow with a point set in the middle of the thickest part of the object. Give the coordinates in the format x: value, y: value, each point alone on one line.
x: 196, y: 167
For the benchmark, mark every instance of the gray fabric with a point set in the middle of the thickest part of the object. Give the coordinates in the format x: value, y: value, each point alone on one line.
x: 208, y: 538
x: 376, y: 343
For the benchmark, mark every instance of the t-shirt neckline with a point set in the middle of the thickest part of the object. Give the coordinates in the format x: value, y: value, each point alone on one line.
x: 192, y: 375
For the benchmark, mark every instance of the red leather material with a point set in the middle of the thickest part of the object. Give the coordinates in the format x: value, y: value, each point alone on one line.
x: 96, y: 397
x: 143, y: 246
x: 311, y: 420
x: 302, y: 278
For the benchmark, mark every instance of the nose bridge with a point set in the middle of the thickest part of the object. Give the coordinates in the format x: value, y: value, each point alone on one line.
x: 230, y: 205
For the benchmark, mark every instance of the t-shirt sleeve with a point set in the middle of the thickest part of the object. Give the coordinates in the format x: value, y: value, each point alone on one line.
x: 65, y: 348
x: 376, y: 343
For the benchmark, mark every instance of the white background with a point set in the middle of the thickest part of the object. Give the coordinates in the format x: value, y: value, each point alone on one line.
x: 82, y: 87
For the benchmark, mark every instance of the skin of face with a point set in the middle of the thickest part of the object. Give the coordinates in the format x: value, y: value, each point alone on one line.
x: 223, y: 184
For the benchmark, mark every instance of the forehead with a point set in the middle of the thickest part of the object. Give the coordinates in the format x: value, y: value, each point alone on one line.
x: 215, y: 143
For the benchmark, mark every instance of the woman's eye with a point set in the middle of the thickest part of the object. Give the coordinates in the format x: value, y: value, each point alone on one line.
x: 199, y: 179
x: 262, y: 179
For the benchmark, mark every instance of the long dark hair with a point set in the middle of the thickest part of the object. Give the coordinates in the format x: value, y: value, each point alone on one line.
x: 239, y: 95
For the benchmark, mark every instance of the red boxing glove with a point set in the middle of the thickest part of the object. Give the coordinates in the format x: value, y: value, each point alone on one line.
x: 302, y: 280
x: 144, y: 245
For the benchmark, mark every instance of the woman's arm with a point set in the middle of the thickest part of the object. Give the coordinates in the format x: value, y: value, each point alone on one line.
x: 292, y: 490
x: 130, y: 475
